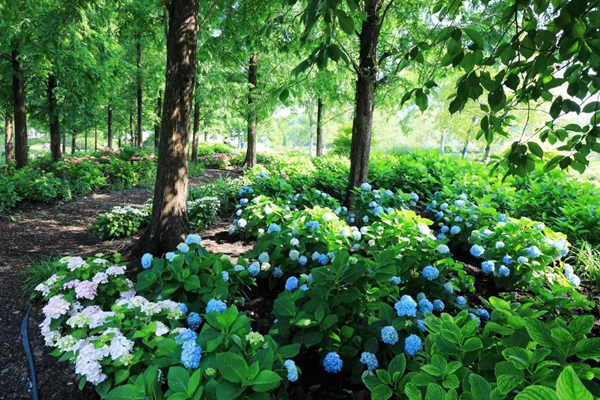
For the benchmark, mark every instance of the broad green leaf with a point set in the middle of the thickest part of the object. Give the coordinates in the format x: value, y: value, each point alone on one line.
x: 125, y: 392
x: 266, y: 381
x: 284, y: 307
x: 228, y: 390
x: 475, y: 36
x: 536, y: 392
x: 539, y: 332
x: 569, y: 386
x: 178, y: 379
x: 232, y: 367
x: 381, y: 392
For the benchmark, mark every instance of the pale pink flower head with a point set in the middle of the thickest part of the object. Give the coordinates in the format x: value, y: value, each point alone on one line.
x: 115, y: 270
x: 86, y: 290
x: 56, y: 307
x: 75, y: 263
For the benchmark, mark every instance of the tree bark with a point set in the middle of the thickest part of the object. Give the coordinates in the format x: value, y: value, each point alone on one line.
x: 464, y: 151
x: 362, y: 124
x: 64, y: 142
x: 157, y: 126
x: 73, y: 143
x: 109, y: 129
x: 139, y: 93
x: 250, y: 161
x: 131, y: 131
x: 20, y: 128
x: 488, y: 152
x: 95, y: 139
x: 53, y: 116
x: 8, y: 138
x: 85, y: 137
x: 319, y: 127
x: 169, y: 224
x: 196, y: 131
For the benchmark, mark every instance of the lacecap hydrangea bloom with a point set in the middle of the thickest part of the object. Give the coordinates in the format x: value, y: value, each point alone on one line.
x: 412, y: 344
x: 369, y: 359
x: 389, y: 335
x: 146, y: 260
x: 333, y: 363
x: 216, y: 305
x: 406, y: 306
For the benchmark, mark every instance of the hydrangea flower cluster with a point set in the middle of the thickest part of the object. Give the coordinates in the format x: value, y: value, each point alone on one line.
x: 569, y: 273
x: 146, y: 260
x: 333, y: 363
x: 292, y: 371
x: 194, y: 320
x: 389, y: 335
x: 412, y: 344
x: 215, y: 305
x: 370, y: 360
x: 406, y: 307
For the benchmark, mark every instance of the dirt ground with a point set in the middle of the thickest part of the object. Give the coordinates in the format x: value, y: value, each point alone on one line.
x: 32, y: 232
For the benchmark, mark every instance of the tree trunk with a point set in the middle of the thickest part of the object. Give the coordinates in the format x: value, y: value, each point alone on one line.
x: 139, y: 94
x: 109, y: 129
x: 319, y: 127
x: 131, y: 131
x: 20, y: 130
x: 205, y: 131
x: 196, y: 131
x: 169, y: 224
x: 157, y: 126
x: 95, y: 139
x: 250, y: 161
x: 488, y: 152
x: 362, y: 124
x: 53, y: 116
x: 443, y: 141
x: 8, y: 138
x: 464, y: 151
x: 64, y: 142
x: 311, y: 123
x: 73, y: 143
x: 85, y: 137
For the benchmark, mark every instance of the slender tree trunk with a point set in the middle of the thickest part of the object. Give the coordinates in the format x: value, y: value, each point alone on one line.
x: 53, y: 116
x: 464, y: 151
x: 196, y: 131
x: 139, y: 93
x: 365, y: 87
x: 205, y: 130
x: 85, y: 137
x: 311, y: 124
x: 64, y: 142
x: 319, y: 127
x: 131, y: 130
x: 20, y: 129
x: 119, y: 141
x: 169, y: 224
x: 73, y: 143
x: 95, y: 139
x: 252, y: 80
x: 8, y: 138
x: 157, y: 126
x: 443, y: 141
x: 488, y: 152
x: 110, y: 130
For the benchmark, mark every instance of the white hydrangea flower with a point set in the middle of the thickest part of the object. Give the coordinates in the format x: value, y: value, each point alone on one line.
x: 56, y: 307
x: 161, y: 329
x: 76, y: 263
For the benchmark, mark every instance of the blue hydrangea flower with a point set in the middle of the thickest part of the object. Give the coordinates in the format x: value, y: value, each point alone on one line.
x: 277, y: 272
x: 182, y: 247
x: 216, y: 305
x: 242, y: 223
x: 243, y: 201
x: 463, y: 196
x: 302, y: 260
x: 333, y: 363
x: 304, y: 288
x: 504, y: 271
x: 369, y: 359
x: 146, y: 260
x: 473, y: 316
x: 356, y: 247
x: 522, y: 260
x: 455, y: 230
x: 458, y: 219
x: 499, y: 245
x: 443, y: 206
x: 534, y: 252
x: 430, y: 273
x: 194, y: 320
x: 365, y: 186
x: 438, y: 215
x: 461, y: 301
x: 312, y: 225
x: 292, y: 371
x: 186, y: 335
x: 345, y: 232
x: 459, y: 203
x: 477, y: 250
x: 238, y: 212
x: 442, y: 249
x: 315, y: 256
x: 193, y: 239
x: 356, y: 235
x: 539, y: 226
x: 448, y: 287
x: 483, y: 313
x: 389, y: 335
x: 568, y: 270
x: 502, y: 218
x: 395, y: 280
x: 365, y: 219
x: 273, y: 228
x: 507, y: 259
x: 373, y: 204
x: 444, y: 229
x: 574, y: 280
x: 425, y: 306
x: 182, y: 307
x: 421, y: 296
x: 561, y: 245
x: 389, y: 193
x: 487, y: 232
x: 406, y: 307
x: 261, y: 174
x: 291, y: 283
x: 231, y: 230
x: 412, y: 344
x: 238, y: 268
x: 414, y: 196
x: 170, y: 256
x: 438, y: 305
x: 225, y: 275
x: 264, y: 257
x: 487, y: 267
x: 378, y: 210
x: 421, y: 325
x: 190, y: 354
x: 441, y: 236
x: 323, y: 259
x: 254, y: 269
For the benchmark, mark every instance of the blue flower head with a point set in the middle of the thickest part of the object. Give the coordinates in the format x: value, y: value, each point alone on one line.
x: 441, y: 236
x: 444, y: 229
x: 264, y: 257
x: 574, y: 280
x: 448, y: 287
x: 277, y: 272
x: 438, y: 305
x: 483, y: 313
x: 225, y: 275
x: 292, y: 371
x: 487, y: 267
x: 425, y: 306
x: 365, y: 186
x: 473, y: 316
x: 504, y: 271
x: 406, y: 307
x: 186, y: 335
x: 378, y: 210
x: 291, y: 283
x: 389, y: 335
x: 194, y: 320
x: 333, y: 363
x: 438, y: 215
x: 170, y: 256
x: 302, y: 260
x: 182, y: 307
x: 430, y: 273
x: 238, y: 268
x: 147, y: 260
x: 561, y: 245
x: 215, y: 305
x: 455, y: 230
x: 442, y: 249
x: 395, y: 280
x: 369, y: 359
x: 242, y: 223
x: 243, y: 201
x: 459, y: 203
x: 534, y: 252
x: 443, y: 206
x: 389, y: 193
x: 421, y: 325
x: 254, y: 268
x: 191, y: 355
x: 477, y: 250
x: 312, y: 225
x: 193, y: 239
x: 273, y: 228
x: 412, y: 344
x: 463, y: 196
x: 323, y: 259
x: 414, y: 196
x: 507, y: 259
x: 487, y: 232
x: 499, y: 245
x: 182, y: 247
x: 461, y: 301
x: 304, y: 288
